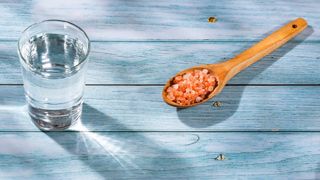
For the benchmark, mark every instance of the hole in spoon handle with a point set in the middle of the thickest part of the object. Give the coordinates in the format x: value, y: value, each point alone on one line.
x: 265, y: 46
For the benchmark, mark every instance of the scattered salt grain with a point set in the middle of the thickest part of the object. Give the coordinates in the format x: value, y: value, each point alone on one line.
x: 220, y: 157
x: 217, y: 104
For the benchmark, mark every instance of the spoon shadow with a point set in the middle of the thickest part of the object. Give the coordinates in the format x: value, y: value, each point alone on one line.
x: 231, y: 95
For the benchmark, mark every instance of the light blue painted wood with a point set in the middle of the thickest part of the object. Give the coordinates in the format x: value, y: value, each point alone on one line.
x: 173, y: 32
x: 125, y: 155
x: 145, y: 20
x: 139, y: 108
x: 155, y: 62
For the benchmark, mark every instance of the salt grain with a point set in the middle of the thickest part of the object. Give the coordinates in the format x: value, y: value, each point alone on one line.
x: 205, y: 71
x: 192, y: 87
x: 198, y: 99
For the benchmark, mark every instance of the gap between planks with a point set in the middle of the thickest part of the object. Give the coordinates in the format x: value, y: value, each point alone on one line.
x: 178, y: 40
x: 190, y: 131
x: 155, y: 85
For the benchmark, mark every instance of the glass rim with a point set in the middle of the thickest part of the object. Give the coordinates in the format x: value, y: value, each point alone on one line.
x: 61, y: 21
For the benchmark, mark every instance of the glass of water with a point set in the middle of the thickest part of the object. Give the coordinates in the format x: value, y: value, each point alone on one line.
x: 53, y: 55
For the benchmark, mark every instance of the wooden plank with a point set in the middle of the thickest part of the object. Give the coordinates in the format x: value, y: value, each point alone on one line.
x: 159, y: 155
x: 158, y: 20
x: 155, y: 62
x: 139, y: 108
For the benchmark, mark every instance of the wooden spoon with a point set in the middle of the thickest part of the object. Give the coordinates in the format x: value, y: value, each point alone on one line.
x: 226, y: 70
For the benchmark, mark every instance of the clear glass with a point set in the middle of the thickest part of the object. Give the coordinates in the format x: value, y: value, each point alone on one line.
x: 53, y: 55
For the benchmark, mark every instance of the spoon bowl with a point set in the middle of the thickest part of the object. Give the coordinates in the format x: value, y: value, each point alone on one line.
x: 224, y: 71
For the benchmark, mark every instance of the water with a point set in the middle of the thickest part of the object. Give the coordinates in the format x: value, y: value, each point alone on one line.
x: 53, y: 79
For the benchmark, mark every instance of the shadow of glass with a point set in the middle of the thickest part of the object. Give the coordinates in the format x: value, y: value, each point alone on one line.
x: 124, y: 154
x: 231, y: 95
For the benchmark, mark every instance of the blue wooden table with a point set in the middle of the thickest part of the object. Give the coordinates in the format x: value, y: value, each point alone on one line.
x: 267, y: 127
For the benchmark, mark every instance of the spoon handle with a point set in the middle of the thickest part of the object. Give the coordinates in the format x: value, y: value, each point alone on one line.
x: 264, y: 47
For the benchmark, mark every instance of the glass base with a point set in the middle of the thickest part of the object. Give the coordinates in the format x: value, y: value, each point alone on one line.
x: 55, y: 120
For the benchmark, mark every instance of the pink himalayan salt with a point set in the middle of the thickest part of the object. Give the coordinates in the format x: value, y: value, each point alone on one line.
x: 191, y: 87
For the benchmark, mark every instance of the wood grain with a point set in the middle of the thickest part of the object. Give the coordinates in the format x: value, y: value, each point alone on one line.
x: 141, y: 108
x: 159, y: 20
x: 159, y: 155
x: 147, y: 62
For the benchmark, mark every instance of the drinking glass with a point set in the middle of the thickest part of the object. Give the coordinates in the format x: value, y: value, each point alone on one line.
x: 53, y: 55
